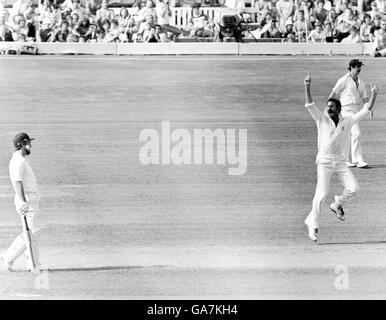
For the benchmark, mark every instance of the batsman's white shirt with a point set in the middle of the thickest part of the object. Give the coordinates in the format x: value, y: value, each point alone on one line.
x: 333, y: 140
x: 20, y: 170
x: 350, y: 96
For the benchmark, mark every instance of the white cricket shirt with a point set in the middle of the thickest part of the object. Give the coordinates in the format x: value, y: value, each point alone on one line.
x: 20, y: 170
x: 349, y: 93
x: 333, y: 140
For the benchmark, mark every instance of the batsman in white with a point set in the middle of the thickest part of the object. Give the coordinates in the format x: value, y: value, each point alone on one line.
x: 26, y: 202
x: 351, y: 91
x: 333, y: 137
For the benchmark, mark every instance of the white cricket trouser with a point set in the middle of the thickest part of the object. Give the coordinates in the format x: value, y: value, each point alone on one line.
x: 355, y: 152
x: 18, y: 246
x: 326, y: 167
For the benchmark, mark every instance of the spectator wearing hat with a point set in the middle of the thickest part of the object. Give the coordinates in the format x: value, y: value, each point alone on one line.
x: 380, y: 41
x: 288, y: 29
x: 317, y: 35
x: 353, y: 37
x: 351, y: 91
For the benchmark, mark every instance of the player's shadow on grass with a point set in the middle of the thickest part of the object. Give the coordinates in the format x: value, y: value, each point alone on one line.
x: 101, y: 268
x: 374, y: 166
x: 352, y: 242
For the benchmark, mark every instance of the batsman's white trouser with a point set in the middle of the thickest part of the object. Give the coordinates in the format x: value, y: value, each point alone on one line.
x: 18, y: 246
x: 326, y: 167
x: 355, y: 152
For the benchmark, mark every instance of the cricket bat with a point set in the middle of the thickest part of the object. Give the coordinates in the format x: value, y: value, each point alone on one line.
x: 28, y: 238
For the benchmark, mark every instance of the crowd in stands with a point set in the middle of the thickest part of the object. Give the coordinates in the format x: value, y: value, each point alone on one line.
x: 149, y: 21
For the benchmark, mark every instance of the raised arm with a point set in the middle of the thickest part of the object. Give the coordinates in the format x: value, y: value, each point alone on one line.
x: 368, y: 107
x: 310, y: 105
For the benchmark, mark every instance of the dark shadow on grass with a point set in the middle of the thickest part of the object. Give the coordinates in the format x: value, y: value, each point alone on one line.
x: 353, y: 242
x: 90, y: 269
x: 375, y: 166
x: 102, y: 268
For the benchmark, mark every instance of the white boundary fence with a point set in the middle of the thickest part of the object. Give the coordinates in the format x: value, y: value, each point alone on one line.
x: 196, y: 48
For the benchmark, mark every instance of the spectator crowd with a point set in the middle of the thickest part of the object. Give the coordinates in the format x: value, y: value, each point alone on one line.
x: 148, y: 21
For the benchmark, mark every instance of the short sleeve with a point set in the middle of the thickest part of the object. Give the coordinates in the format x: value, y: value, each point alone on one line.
x: 339, y: 86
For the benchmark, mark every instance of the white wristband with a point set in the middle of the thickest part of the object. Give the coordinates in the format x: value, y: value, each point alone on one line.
x: 307, y: 105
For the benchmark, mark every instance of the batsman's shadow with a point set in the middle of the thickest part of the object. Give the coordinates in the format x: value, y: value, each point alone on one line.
x: 374, y: 166
x: 352, y: 242
x: 101, y: 268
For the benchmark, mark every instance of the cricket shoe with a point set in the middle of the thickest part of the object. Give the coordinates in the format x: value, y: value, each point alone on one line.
x: 338, y: 211
x: 362, y: 164
x: 312, y: 232
x: 350, y: 164
x: 5, y: 265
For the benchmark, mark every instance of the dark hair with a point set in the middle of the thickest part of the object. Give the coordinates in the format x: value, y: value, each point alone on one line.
x: 366, y: 15
x: 106, y: 21
x: 336, y: 101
